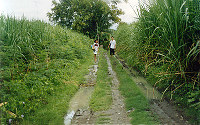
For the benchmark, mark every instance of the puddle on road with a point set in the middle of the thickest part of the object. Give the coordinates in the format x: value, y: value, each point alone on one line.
x: 81, y: 99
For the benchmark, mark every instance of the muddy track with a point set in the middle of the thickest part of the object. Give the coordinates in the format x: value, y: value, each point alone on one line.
x: 78, y: 112
x: 166, y: 112
x: 116, y: 115
x: 117, y: 112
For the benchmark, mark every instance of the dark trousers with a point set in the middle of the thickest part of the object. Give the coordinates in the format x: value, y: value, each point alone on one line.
x: 112, y: 51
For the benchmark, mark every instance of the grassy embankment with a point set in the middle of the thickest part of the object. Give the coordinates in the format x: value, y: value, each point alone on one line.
x: 41, y: 69
x: 164, y: 45
x: 135, y: 101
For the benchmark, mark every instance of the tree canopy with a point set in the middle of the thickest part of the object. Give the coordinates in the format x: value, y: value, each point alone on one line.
x: 86, y: 16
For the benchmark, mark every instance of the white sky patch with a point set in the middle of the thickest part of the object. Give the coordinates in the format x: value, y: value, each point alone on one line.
x: 31, y: 9
x: 130, y: 9
x: 130, y: 12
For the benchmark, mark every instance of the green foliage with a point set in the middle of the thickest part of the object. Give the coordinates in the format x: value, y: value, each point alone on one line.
x: 58, y: 103
x: 164, y: 45
x: 36, y: 59
x: 86, y: 16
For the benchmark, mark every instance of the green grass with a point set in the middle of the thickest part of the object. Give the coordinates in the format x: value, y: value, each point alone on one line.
x: 103, y: 120
x: 53, y: 113
x: 101, y: 98
x: 134, y: 98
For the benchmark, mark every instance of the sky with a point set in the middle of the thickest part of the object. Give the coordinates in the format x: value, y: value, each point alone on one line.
x: 38, y: 9
x: 31, y: 9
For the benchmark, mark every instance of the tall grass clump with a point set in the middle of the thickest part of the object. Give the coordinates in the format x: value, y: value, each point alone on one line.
x: 38, y: 61
x: 164, y: 44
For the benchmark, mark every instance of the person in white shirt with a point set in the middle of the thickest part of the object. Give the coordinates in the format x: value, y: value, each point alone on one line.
x: 96, y: 49
x: 112, y: 46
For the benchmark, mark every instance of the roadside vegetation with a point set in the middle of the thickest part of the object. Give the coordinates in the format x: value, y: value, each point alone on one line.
x: 164, y: 44
x: 41, y: 69
x: 135, y: 102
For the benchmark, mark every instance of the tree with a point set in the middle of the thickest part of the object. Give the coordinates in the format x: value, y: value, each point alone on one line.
x: 85, y: 16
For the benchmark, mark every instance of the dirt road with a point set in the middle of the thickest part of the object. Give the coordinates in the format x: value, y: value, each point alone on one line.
x: 115, y: 115
x: 80, y: 113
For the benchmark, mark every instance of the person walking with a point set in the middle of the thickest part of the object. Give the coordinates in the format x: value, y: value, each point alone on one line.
x: 96, y: 49
x: 112, y: 46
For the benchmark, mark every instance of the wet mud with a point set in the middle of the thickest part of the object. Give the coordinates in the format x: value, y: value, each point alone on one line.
x: 79, y: 104
x: 79, y: 112
x: 116, y: 115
